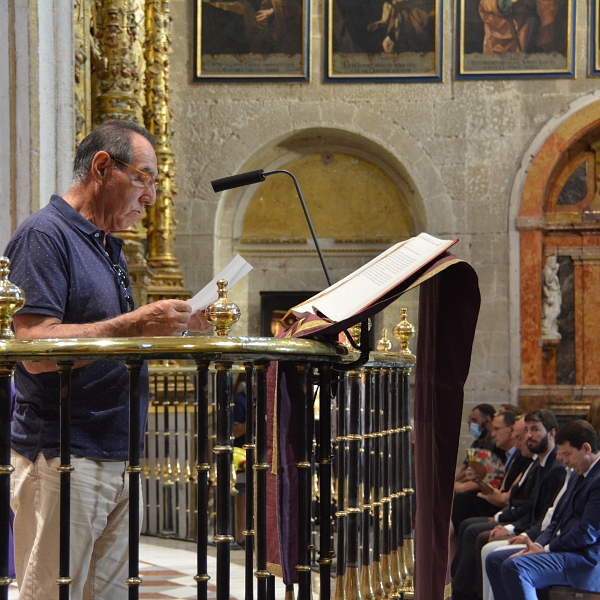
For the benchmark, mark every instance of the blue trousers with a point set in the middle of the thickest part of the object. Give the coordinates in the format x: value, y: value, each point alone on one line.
x: 517, y: 578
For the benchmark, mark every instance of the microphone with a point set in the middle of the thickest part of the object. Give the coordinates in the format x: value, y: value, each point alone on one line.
x: 228, y: 183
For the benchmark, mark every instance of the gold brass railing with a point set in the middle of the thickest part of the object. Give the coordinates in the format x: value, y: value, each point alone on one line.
x: 361, y: 505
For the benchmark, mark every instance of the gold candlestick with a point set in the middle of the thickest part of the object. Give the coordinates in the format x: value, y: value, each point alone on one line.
x: 403, y: 332
x: 222, y: 313
x: 12, y: 299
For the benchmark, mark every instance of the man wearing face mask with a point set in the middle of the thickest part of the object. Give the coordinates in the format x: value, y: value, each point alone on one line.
x: 480, y: 426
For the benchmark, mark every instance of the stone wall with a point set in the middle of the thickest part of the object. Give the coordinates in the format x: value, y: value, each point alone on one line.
x: 460, y: 143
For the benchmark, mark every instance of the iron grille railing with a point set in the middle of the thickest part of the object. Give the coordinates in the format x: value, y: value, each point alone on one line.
x: 354, y: 467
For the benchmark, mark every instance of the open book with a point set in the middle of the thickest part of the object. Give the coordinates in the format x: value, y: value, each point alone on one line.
x: 359, y: 290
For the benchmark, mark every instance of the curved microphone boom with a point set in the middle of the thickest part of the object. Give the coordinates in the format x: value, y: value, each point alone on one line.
x: 228, y: 183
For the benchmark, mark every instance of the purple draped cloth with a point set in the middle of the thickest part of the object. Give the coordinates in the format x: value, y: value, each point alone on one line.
x: 448, y: 311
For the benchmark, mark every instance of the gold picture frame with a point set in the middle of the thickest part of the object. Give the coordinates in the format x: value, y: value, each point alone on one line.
x: 501, y: 39
x: 384, y: 41
x: 594, y: 39
x: 252, y: 40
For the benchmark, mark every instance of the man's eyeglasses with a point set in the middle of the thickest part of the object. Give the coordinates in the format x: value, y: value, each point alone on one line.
x: 123, y: 278
x: 146, y: 180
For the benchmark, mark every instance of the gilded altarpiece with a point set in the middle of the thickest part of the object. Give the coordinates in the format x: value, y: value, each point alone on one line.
x: 559, y: 226
x: 122, y: 66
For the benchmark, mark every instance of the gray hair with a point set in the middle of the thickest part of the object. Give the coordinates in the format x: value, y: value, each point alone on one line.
x: 112, y: 137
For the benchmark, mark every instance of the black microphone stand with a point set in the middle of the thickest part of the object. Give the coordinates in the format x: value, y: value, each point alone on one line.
x: 310, y: 225
x: 259, y: 176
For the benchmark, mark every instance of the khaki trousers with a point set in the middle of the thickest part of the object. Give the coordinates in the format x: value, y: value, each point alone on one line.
x: 99, y: 528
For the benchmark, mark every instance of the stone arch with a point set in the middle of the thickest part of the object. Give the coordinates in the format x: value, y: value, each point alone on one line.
x: 409, y: 174
x: 570, y: 233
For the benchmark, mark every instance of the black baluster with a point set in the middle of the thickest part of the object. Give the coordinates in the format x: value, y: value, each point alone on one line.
x: 65, y: 469
x: 249, y: 447
x: 403, y: 574
x: 378, y: 587
x: 325, y: 464
x: 395, y: 483
x: 224, y: 452
x: 5, y: 472
x: 134, y: 470
x: 385, y: 483
x: 202, y: 468
x: 366, y: 583
x: 407, y: 482
x: 340, y: 568
x: 352, y: 583
x: 261, y: 468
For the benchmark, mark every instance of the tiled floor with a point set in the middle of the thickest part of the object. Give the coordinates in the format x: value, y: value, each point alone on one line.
x: 167, y: 573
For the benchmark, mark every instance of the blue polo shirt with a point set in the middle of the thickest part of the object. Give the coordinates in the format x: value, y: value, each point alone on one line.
x: 58, y: 258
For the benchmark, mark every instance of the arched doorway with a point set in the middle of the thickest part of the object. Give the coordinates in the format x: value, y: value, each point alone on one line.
x: 361, y: 199
x: 559, y: 236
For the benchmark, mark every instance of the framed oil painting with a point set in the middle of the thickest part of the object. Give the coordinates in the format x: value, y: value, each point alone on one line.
x: 594, y: 40
x: 252, y: 40
x: 383, y: 40
x: 499, y: 39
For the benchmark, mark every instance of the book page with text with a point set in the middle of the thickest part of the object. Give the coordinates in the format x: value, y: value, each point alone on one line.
x: 363, y: 287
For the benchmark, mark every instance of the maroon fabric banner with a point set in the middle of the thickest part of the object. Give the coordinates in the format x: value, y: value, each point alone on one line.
x: 448, y: 310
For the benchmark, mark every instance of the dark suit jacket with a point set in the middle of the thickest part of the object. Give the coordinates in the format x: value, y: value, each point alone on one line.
x: 575, y: 529
x: 548, y: 482
x: 518, y: 466
x: 521, y: 496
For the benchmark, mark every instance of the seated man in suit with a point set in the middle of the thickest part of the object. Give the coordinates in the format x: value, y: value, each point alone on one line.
x: 525, y: 512
x: 519, y: 493
x: 466, y: 503
x: 567, y: 552
x: 540, y: 433
x: 476, y: 504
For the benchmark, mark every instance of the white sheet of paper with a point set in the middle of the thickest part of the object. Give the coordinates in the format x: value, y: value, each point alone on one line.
x: 233, y: 272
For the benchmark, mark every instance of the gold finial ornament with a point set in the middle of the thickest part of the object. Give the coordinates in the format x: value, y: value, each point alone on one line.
x: 403, y: 332
x: 384, y: 345
x: 12, y: 299
x: 222, y: 313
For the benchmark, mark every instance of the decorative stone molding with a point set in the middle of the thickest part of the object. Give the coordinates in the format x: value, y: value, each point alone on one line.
x: 531, y: 224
